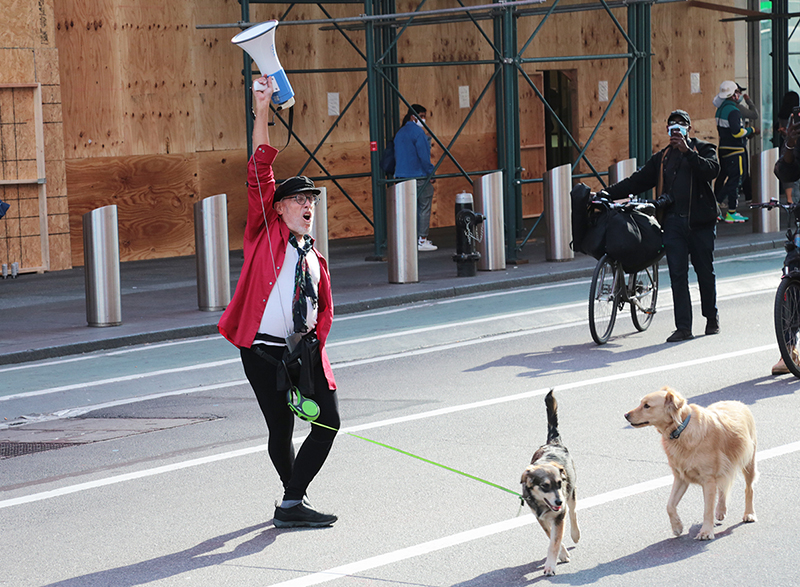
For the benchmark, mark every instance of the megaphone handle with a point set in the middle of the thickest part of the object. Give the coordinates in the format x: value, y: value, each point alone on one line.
x: 259, y: 87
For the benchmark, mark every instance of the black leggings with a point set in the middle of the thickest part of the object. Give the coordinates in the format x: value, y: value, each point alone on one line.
x: 296, y: 472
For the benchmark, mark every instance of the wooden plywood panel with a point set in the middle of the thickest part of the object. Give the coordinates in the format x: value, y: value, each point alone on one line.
x: 17, y: 66
x: 154, y: 195
x: 225, y: 172
x: 217, y: 82
x: 689, y: 40
x: 91, y: 85
x: 19, y: 24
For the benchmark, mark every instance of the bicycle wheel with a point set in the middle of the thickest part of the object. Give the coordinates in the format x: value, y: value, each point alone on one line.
x: 603, y: 297
x: 643, y: 288
x: 787, y: 322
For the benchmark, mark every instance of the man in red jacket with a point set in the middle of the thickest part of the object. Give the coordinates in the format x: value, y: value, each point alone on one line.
x: 283, y: 294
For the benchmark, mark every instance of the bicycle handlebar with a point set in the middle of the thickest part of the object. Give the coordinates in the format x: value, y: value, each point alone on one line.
x: 611, y: 204
x: 773, y: 203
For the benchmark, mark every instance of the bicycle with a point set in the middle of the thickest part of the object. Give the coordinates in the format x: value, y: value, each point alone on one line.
x: 787, y: 299
x: 610, y: 290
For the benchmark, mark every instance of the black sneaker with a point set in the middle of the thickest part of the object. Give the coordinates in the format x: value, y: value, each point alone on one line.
x: 712, y: 326
x: 680, y: 335
x: 301, y: 516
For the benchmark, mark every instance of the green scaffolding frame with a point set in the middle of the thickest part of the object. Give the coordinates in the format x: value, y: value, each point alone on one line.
x: 383, y: 27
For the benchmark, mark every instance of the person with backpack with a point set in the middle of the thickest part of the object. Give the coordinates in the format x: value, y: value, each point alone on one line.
x: 732, y: 149
x: 412, y: 151
x: 682, y: 173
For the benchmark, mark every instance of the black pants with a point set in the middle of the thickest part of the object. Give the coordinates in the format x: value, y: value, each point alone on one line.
x: 682, y: 243
x: 296, y: 472
x: 734, y: 171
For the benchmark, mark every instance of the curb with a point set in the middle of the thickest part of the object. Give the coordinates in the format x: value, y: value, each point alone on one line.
x: 347, y: 308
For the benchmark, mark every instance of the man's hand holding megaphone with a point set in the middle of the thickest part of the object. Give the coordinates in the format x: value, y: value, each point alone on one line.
x: 263, y: 89
x: 261, y: 101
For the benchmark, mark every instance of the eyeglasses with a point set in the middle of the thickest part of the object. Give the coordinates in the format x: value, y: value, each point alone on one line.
x: 679, y: 122
x: 302, y: 199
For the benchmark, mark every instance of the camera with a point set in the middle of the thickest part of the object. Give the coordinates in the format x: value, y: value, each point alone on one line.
x: 796, y: 114
x: 664, y: 201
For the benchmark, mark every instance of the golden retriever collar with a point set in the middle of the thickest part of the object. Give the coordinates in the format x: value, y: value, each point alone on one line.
x: 676, y: 434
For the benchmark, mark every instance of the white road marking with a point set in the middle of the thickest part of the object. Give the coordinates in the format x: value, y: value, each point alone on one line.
x: 484, y: 531
x: 368, y: 314
x: 379, y: 424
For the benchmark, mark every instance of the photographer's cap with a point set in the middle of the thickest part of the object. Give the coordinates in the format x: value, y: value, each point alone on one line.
x: 295, y: 185
x: 679, y: 114
x: 727, y: 89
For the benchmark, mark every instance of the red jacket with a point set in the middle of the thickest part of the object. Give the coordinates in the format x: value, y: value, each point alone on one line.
x: 240, y: 321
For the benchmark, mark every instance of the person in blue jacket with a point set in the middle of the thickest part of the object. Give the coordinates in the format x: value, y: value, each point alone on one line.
x: 412, y: 151
x: 732, y: 148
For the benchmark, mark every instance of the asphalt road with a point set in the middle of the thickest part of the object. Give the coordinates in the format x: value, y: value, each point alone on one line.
x: 167, y: 481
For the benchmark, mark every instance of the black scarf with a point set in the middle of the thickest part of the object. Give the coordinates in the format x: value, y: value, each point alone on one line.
x: 303, y: 286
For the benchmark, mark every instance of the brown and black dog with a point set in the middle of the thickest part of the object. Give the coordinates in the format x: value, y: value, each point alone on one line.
x: 705, y: 446
x: 548, y: 487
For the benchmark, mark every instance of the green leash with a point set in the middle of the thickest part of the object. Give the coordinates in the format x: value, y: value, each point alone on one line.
x: 430, y: 462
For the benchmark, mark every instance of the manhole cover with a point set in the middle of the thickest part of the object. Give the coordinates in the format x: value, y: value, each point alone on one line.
x: 17, y: 449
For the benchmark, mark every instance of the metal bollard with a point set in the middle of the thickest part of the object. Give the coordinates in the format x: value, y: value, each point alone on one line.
x: 765, y: 187
x: 319, y: 230
x: 620, y: 170
x: 489, y: 203
x: 5, y: 270
x: 401, y: 217
x: 557, y: 211
x: 101, y: 267
x: 211, y: 253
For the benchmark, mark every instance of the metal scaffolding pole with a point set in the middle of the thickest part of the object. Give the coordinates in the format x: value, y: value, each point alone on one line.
x: 640, y: 112
x: 383, y: 27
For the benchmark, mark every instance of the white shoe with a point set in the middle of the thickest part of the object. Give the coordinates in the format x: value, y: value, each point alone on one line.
x: 424, y: 244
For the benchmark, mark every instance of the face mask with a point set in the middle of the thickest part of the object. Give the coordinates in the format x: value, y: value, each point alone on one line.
x: 682, y: 129
x: 418, y: 123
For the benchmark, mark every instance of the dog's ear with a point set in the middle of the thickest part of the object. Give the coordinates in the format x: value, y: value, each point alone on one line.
x: 673, y: 401
x: 525, y: 476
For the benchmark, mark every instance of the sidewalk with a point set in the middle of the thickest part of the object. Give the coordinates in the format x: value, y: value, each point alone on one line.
x: 44, y: 316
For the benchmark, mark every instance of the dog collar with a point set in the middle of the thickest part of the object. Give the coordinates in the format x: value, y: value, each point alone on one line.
x: 677, y: 432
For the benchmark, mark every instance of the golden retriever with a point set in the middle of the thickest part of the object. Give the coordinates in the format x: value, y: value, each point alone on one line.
x: 705, y: 446
x: 548, y: 487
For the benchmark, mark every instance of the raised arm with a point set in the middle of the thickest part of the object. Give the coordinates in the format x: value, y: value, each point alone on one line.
x: 261, y: 99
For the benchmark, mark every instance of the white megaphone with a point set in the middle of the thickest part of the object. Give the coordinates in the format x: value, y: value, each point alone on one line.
x: 259, y: 42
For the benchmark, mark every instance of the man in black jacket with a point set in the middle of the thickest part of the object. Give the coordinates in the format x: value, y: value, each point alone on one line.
x: 682, y: 174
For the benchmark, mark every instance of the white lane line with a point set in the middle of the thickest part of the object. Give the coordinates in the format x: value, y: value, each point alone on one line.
x: 382, y: 423
x: 369, y: 314
x: 463, y: 323
x: 376, y: 359
x: 113, y: 380
x: 125, y: 351
x: 457, y: 299
x: 402, y: 554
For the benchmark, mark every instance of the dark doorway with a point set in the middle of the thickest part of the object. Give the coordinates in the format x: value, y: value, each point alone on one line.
x: 558, y: 91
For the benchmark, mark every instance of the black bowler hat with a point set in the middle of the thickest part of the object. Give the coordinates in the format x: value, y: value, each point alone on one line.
x: 682, y: 114
x: 295, y: 185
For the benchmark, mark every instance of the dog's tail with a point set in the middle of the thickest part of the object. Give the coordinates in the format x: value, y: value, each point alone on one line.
x: 553, y: 437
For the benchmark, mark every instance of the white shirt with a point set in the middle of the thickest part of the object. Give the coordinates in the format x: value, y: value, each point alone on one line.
x: 277, y: 318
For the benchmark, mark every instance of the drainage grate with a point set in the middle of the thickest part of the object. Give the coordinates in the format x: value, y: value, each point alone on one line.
x: 17, y: 449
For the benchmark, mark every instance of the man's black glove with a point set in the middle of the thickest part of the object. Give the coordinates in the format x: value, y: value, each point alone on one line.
x: 664, y: 201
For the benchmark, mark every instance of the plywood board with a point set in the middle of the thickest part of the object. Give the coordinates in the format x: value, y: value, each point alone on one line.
x: 154, y: 195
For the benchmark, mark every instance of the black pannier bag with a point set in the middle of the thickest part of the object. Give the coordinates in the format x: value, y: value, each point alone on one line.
x: 635, y: 239
x: 581, y: 196
x: 589, y: 223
